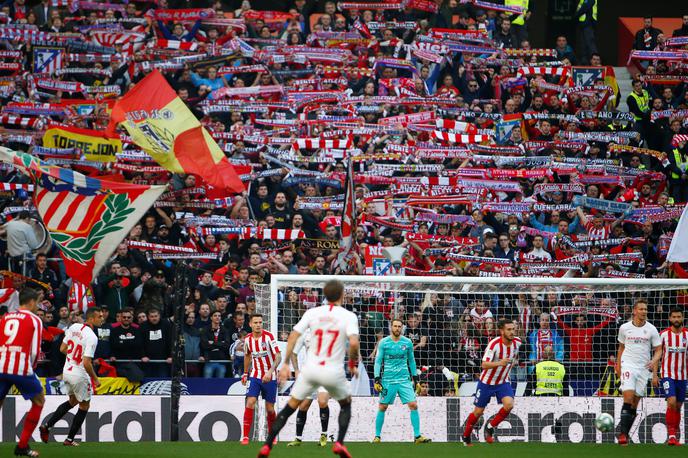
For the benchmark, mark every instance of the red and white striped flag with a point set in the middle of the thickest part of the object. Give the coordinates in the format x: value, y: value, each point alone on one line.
x: 177, y: 44
x: 80, y: 297
x: 347, y: 245
x: 15, y: 187
x: 85, y: 216
x: 314, y: 143
x: 271, y: 234
x: 548, y: 71
x: 130, y: 41
x: 456, y: 126
x: 9, y: 297
x: 362, y: 28
x: 678, y: 138
x: 458, y: 138
x: 21, y: 121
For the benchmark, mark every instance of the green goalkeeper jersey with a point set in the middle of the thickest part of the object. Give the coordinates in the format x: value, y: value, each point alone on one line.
x: 395, y: 360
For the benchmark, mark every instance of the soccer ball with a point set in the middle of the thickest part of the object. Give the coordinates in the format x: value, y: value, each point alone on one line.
x: 604, y: 422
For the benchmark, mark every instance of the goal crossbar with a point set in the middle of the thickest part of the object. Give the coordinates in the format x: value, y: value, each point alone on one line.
x: 501, y: 285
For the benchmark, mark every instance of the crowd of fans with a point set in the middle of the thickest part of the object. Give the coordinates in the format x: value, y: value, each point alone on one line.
x: 479, y: 154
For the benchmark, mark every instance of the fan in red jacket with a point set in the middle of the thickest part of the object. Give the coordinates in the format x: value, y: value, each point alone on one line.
x: 581, y: 337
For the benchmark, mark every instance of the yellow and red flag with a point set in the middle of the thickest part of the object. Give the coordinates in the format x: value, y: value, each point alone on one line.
x: 610, y: 80
x: 160, y: 123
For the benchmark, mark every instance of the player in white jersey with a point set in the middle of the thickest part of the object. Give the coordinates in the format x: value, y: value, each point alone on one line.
x: 79, y: 345
x: 640, y: 349
x: 332, y: 327
x: 299, y: 360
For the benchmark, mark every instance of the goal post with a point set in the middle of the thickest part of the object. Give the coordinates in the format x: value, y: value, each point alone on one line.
x: 450, y: 319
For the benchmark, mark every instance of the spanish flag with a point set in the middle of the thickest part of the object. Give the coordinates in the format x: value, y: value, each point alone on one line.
x: 160, y: 123
x: 610, y: 80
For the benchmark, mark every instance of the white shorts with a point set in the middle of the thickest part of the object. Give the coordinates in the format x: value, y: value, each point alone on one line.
x: 636, y: 379
x: 79, y: 386
x: 315, y: 394
x: 333, y: 380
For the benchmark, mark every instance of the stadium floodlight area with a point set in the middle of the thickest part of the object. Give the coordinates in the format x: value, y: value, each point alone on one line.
x: 451, y: 319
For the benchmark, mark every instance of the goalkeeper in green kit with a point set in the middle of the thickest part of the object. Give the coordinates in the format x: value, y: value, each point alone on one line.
x: 395, y: 374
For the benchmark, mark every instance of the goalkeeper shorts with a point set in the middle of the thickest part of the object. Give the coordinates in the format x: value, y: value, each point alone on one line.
x: 391, y: 390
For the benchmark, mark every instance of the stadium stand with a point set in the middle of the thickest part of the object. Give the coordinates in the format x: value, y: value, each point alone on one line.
x: 474, y: 152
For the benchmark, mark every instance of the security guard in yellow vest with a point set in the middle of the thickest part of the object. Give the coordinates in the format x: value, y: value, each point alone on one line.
x: 638, y: 101
x: 586, y: 12
x: 681, y: 163
x: 549, y: 380
x: 549, y: 375
x: 677, y: 164
x: 518, y: 21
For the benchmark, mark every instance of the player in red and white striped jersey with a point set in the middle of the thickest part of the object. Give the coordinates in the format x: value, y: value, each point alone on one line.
x: 263, y: 350
x: 20, y: 343
x: 499, y: 349
x: 674, y: 341
x: 262, y: 355
x: 500, y: 356
x: 674, y: 371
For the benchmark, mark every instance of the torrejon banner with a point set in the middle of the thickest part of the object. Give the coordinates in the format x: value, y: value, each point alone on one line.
x: 93, y: 144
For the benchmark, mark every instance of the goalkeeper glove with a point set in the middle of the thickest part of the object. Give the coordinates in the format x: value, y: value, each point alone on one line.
x: 378, y: 385
x: 416, y: 384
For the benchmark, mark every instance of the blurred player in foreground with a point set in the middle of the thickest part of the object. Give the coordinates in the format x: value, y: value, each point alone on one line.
x: 299, y: 360
x: 395, y: 374
x: 331, y: 326
x: 79, y: 345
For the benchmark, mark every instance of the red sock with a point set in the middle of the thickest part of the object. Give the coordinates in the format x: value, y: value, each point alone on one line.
x: 32, y: 419
x: 501, y: 415
x: 671, y: 431
x: 271, y: 419
x: 248, y: 421
x: 470, y: 423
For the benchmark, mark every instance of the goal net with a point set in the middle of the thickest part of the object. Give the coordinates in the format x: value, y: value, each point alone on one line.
x: 450, y: 320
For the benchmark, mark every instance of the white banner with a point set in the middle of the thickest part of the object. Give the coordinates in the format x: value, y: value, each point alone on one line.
x: 678, y: 250
x: 535, y: 419
x: 397, y: 428
x: 136, y: 418
x: 219, y: 418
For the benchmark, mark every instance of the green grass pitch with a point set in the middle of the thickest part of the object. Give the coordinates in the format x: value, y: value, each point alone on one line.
x: 307, y: 450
